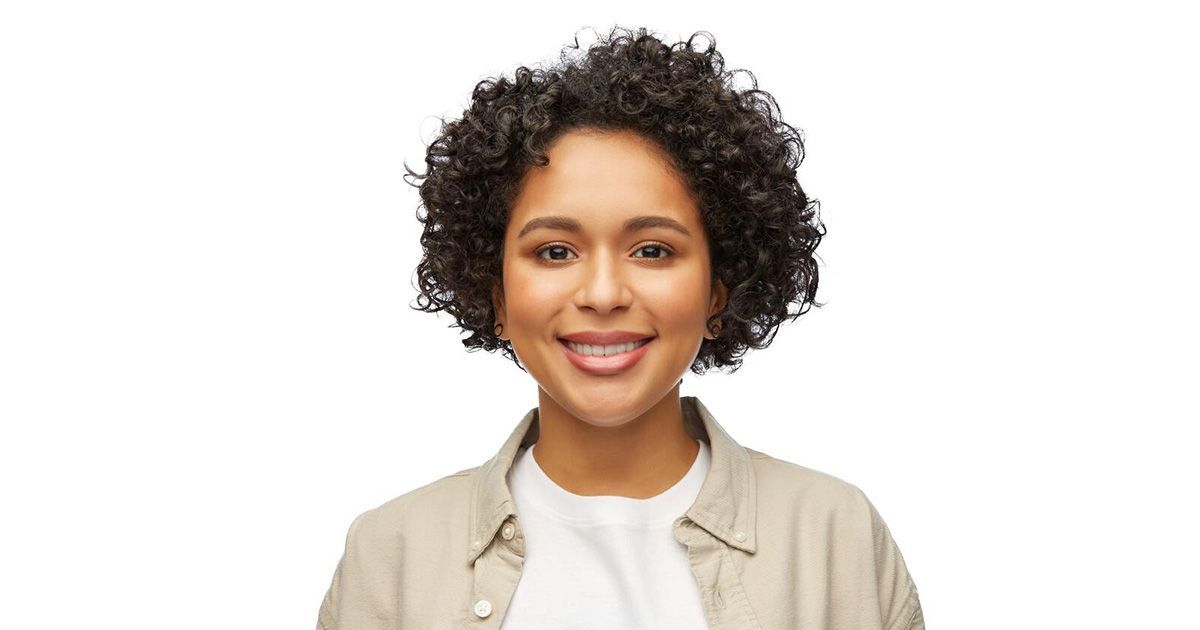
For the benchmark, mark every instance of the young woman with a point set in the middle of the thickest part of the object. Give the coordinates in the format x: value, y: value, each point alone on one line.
x: 609, y: 224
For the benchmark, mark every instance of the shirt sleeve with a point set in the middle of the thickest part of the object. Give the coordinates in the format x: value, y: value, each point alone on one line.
x: 327, y: 616
x: 900, y: 606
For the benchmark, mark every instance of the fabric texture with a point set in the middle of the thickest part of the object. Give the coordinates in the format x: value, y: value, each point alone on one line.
x: 770, y: 544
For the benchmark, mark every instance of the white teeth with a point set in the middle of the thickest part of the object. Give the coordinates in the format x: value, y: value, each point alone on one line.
x: 604, y: 351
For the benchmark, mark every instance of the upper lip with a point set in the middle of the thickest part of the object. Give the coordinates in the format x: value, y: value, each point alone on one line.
x: 605, y: 338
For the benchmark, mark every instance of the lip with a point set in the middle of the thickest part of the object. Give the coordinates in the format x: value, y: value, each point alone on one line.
x: 606, y: 366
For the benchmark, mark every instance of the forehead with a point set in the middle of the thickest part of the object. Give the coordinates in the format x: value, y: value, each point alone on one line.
x: 602, y: 175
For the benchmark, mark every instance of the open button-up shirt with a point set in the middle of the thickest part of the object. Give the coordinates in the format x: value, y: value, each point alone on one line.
x: 772, y: 545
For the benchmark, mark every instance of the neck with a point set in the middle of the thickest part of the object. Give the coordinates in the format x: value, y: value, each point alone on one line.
x: 639, y: 458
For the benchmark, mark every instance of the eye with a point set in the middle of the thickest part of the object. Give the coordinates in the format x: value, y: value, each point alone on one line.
x: 658, y: 247
x: 549, y: 248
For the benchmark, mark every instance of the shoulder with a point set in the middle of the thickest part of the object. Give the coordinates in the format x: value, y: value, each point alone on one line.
x: 423, y: 510
x: 817, y: 510
x: 794, y: 497
x: 787, y: 484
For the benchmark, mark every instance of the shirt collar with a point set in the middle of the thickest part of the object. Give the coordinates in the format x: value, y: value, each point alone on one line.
x: 725, y: 506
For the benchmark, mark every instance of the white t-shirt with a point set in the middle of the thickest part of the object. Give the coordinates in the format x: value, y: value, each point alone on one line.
x: 603, y: 562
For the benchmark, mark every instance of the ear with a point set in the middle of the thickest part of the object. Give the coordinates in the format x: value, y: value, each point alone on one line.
x: 498, y: 304
x: 719, y: 296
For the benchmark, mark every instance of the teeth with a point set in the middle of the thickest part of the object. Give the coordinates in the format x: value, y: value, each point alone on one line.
x: 604, y: 351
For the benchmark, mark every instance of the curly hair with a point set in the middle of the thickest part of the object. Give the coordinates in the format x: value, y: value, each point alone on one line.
x: 732, y: 147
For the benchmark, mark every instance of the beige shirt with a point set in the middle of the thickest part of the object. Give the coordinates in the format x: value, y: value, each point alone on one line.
x: 772, y: 545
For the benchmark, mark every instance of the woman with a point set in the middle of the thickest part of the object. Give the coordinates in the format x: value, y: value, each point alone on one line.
x: 608, y: 224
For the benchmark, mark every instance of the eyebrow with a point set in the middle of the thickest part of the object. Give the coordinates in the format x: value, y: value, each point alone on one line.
x: 632, y: 225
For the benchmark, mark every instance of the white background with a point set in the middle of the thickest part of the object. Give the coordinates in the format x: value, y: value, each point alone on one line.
x: 210, y: 364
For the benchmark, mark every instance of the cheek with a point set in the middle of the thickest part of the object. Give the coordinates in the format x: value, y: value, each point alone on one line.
x: 676, y: 301
x: 531, y: 298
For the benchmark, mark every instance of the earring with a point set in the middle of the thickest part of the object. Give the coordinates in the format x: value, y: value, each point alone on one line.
x: 498, y: 329
x: 715, y: 330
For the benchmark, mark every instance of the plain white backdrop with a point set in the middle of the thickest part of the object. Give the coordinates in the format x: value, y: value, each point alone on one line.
x: 210, y: 363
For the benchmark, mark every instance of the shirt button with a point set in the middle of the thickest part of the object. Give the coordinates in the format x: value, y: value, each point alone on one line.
x: 739, y: 536
x: 475, y: 544
x: 483, y: 608
x: 508, y: 531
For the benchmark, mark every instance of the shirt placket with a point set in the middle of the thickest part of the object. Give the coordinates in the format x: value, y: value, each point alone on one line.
x: 726, y: 606
x: 494, y: 580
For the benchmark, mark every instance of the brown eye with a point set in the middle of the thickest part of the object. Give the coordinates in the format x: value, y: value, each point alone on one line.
x: 551, y: 248
x: 657, y: 247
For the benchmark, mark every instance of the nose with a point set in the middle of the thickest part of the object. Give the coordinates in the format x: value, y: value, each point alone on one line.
x: 604, y: 284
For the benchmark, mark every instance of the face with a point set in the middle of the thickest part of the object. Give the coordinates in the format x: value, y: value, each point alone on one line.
x: 580, y: 256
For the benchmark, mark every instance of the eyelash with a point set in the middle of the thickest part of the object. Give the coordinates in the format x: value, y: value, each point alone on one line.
x: 538, y: 253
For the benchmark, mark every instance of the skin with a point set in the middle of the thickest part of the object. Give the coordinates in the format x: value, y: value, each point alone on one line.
x: 619, y: 434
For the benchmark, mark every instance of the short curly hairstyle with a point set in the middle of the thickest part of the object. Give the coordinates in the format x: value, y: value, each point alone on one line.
x: 732, y: 147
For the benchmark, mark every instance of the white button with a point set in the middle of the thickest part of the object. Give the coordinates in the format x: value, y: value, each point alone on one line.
x: 475, y: 544
x: 508, y: 531
x: 483, y: 608
x: 740, y: 536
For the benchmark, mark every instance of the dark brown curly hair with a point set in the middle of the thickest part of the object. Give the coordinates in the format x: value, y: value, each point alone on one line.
x: 731, y: 145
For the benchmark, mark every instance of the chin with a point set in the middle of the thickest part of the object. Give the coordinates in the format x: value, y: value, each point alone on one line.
x: 610, y: 406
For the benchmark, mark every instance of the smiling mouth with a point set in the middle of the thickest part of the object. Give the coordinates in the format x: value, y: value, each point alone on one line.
x: 607, y: 365
x: 582, y: 349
